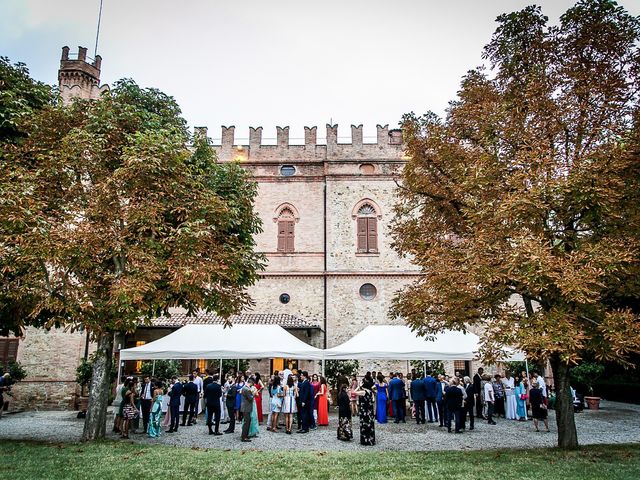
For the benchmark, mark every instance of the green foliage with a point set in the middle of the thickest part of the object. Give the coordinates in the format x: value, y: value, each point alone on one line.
x: 587, y: 374
x: 336, y: 368
x: 20, y: 96
x: 84, y: 372
x: 163, y: 370
x: 435, y: 366
x: 16, y: 371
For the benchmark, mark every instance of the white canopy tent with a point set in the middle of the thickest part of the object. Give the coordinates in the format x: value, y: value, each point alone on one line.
x: 215, y: 341
x: 399, y: 342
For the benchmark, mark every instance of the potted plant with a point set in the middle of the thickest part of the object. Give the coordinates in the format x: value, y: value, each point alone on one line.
x: 16, y: 373
x: 334, y: 370
x: 83, y: 377
x: 587, y: 374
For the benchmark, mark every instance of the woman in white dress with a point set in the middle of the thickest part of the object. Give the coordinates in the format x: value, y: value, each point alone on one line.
x: 289, y: 403
x: 510, y: 404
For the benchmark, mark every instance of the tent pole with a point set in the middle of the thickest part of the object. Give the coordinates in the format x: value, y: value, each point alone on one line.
x: 238, y: 368
x: 425, y: 367
x: 323, y: 366
x: 221, y: 382
x: 153, y: 369
x: 119, y: 369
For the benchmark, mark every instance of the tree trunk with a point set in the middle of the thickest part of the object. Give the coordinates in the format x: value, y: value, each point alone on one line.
x: 96, y: 422
x: 565, y: 420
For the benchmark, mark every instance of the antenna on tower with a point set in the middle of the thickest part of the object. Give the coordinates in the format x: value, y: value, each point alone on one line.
x: 95, y: 52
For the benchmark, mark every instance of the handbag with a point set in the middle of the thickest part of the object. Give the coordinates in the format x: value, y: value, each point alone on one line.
x: 523, y: 396
x: 130, y: 412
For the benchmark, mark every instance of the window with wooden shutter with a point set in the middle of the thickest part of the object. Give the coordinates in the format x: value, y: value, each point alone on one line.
x: 8, y: 351
x: 367, y: 229
x: 286, y: 231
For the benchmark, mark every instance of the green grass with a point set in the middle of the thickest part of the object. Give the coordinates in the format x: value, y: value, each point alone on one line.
x: 119, y: 460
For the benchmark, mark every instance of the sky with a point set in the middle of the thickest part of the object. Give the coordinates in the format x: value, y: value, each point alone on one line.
x: 272, y: 63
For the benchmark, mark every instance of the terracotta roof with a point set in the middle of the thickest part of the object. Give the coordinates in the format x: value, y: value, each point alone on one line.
x: 283, y: 319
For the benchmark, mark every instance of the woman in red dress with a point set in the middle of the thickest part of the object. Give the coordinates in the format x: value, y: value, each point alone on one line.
x: 323, y: 405
x: 258, y: 399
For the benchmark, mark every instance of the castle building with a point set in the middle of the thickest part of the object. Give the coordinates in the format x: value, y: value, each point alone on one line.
x: 326, y: 211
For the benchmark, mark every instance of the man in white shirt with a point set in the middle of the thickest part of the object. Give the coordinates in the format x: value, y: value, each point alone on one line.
x: 286, y: 372
x: 146, y: 395
x: 489, y: 399
x: 510, y: 405
x: 541, y: 383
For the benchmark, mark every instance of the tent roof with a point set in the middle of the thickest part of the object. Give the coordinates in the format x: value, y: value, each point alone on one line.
x: 399, y: 342
x: 179, y: 319
x: 215, y: 341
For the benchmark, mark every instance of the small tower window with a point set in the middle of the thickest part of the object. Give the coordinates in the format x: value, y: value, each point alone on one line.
x: 285, y: 298
x: 286, y: 231
x: 287, y: 170
x: 367, y: 229
x: 368, y: 291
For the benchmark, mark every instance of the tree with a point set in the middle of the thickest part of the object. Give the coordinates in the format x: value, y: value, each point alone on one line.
x: 162, y: 370
x: 114, y: 220
x: 334, y: 369
x: 521, y: 206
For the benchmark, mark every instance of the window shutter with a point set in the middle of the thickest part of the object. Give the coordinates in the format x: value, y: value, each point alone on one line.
x: 282, y: 237
x: 372, y: 240
x: 8, y: 351
x: 290, y: 236
x: 362, y: 234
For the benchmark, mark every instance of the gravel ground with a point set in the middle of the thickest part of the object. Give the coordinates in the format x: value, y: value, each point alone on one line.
x: 614, y: 423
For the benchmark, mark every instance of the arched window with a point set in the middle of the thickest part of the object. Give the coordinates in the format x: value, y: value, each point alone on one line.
x: 286, y: 230
x: 367, y: 228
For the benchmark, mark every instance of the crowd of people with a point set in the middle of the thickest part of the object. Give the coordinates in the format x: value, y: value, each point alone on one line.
x: 297, y: 398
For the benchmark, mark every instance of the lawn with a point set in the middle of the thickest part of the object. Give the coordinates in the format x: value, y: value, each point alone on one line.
x: 119, y: 460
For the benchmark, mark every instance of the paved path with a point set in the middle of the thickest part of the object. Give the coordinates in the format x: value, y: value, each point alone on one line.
x: 614, y: 423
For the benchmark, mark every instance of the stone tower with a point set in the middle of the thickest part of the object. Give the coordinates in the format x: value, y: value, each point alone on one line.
x: 77, y: 78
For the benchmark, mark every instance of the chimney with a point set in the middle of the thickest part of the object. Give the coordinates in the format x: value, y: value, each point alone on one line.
x: 65, y: 53
x: 82, y: 54
x: 97, y: 62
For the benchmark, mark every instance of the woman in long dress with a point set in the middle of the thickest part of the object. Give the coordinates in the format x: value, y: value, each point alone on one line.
x: 239, y: 385
x: 353, y: 396
x: 167, y: 416
x: 289, y: 406
x: 345, y: 433
x: 367, y: 423
x: 258, y: 398
x: 508, y: 384
x: 323, y: 405
x: 153, y: 430
x: 381, y: 399
x: 254, y: 428
x: 521, y: 394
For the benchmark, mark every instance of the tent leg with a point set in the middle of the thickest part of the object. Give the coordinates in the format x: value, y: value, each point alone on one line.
x: 526, y: 367
x: 323, y: 367
x: 119, y: 370
x: 221, y: 382
x: 153, y: 369
x: 238, y: 368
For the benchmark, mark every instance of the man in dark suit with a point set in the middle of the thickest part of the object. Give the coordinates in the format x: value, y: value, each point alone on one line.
x: 174, y: 404
x: 454, y: 396
x: 418, y: 395
x: 246, y: 407
x: 191, y: 396
x: 230, y: 400
x: 477, y: 389
x: 146, y: 398
x: 431, y: 386
x: 469, y: 402
x: 212, y: 396
x: 305, y: 392
x: 396, y: 393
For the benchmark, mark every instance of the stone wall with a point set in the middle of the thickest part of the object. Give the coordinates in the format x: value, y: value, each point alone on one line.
x: 50, y: 358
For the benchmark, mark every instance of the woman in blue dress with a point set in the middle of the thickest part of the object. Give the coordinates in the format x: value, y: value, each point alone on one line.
x: 522, y: 396
x: 239, y: 385
x: 254, y: 428
x: 381, y: 399
x: 153, y: 430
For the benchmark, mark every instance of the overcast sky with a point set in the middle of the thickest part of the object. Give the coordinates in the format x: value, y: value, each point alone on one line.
x: 272, y: 62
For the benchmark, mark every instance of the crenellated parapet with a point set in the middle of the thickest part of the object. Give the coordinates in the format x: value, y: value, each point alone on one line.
x: 388, y: 145
x: 79, y: 76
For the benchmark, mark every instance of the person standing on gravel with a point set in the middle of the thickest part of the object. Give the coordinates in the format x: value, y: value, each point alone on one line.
x: 489, y: 399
